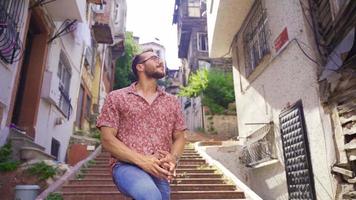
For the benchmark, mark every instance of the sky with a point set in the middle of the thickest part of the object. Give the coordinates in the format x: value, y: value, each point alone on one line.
x: 152, y: 19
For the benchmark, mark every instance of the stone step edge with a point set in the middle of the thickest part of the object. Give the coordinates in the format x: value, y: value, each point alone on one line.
x: 173, y: 184
x: 173, y: 192
x: 106, y: 179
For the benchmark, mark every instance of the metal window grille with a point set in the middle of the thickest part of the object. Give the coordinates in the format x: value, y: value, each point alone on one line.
x: 259, y: 147
x: 255, y: 37
x: 11, y: 14
x: 297, y: 161
x: 64, y: 75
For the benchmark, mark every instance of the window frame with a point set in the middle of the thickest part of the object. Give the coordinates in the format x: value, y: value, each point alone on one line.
x: 64, y: 75
x: 194, y: 5
x: 255, y: 38
x: 199, y: 46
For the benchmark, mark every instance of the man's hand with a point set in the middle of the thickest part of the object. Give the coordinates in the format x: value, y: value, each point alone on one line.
x: 152, y: 165
x: 168, y: 162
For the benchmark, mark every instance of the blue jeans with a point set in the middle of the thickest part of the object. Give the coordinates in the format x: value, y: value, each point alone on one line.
x: 133, y: 182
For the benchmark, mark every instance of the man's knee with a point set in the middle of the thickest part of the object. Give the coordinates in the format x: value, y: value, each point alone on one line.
x: 147, y: 192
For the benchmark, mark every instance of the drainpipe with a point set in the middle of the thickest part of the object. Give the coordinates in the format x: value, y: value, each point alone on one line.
x: 101, y: 74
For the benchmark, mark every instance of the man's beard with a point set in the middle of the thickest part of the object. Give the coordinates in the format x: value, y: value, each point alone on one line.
x: 154, y: 74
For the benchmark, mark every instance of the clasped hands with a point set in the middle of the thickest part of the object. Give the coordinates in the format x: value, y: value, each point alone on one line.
x: 162, y: 165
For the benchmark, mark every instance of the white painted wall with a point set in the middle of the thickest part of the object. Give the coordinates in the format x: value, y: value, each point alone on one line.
x: 7, y: 81
x: 283, y: 78
x: 49, y: 113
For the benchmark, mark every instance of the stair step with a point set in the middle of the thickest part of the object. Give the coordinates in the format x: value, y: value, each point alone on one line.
x: 181, y: 175
x: 89, y: 195
x: 108, y: 180
x: 185, y: 161
x: 195, y: 180
x: 180, y: 165
x: 174, y: 187
x: 187, y: 170
x: 106, y: 158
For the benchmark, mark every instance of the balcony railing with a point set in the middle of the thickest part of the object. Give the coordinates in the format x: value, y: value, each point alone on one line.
x: 11, y: 13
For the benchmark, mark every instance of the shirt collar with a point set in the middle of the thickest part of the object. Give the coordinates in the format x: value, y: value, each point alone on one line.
x: 132, y: 89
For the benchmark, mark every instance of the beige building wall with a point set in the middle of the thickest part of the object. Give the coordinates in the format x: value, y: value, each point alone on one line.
x: 222, y: 126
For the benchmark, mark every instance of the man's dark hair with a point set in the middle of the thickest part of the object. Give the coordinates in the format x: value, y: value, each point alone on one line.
x: 137, y: 60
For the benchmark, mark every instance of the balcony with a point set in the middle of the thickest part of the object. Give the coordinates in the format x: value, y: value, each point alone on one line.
x: 225, y: 18
x: 109, y: 21
x: 11, y: 47
x: 67, y: 9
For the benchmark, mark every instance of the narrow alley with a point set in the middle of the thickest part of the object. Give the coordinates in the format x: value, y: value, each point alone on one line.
x: 226, y: 99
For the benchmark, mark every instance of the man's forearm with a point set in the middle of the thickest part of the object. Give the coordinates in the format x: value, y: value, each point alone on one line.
x: 119, y: 150
x: 178, y: 145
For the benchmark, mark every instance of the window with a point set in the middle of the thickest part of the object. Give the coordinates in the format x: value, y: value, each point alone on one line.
x: 80, y: 107
x: 202, y: 42
x: 255, y: 38
x: 194, y: 8
x: 88, y: 107
x: 55, y: 148
x: 64, y: 74
x: 203, y: 64
x: 89, y: 57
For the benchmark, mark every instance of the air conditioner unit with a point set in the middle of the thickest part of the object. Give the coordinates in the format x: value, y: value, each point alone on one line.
x: 50, y: 91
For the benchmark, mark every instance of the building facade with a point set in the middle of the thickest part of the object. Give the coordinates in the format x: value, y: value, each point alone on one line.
x: 287, y: 132
x: 42, y: 71
x: 193, y: 52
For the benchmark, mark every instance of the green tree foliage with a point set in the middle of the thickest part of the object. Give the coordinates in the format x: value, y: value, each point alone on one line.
x: 123, y: 75
x: 216, y: 87
x: 42, y: 170
x: 219, y: 92
x: 197, y: 83
x: 6, y: 162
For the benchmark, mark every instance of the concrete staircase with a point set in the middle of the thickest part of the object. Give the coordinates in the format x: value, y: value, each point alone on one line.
x: 25, y: 149
x: 195, y: 180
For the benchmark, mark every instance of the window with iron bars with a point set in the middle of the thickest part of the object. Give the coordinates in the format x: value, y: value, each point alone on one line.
x: 255, y: 37
x: 11, y: 14
x: 194, y: 8
x: 64, y: 74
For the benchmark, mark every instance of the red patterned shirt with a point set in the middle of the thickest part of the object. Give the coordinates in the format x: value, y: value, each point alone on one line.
x: 140, y: 126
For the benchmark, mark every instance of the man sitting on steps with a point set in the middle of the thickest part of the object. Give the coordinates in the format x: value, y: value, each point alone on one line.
x: 143, y: 128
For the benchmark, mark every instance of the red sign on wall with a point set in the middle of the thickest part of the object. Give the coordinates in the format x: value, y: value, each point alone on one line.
x: 281, y: 39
